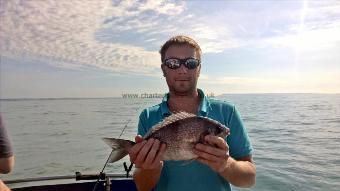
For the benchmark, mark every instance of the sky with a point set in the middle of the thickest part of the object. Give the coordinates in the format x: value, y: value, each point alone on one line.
x: 74, y: 48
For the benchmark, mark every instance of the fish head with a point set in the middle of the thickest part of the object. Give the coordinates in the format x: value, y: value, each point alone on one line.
x: 217, y: 129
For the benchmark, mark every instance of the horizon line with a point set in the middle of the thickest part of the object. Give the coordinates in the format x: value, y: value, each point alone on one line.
x: 108, y: 97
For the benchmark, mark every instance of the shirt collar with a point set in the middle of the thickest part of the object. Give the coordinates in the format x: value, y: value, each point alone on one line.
x: 204, y: 104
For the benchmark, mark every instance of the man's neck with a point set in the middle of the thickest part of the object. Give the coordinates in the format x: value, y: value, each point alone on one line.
x: 188, y: 102
x: 184, y: 96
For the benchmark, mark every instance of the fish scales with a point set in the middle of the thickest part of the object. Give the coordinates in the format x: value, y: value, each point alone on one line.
x: 180, y: 132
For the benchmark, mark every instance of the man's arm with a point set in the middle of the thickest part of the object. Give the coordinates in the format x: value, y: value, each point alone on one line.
x: 6, y: 164
x: 147, y: 156
x: 3, y: 187
x: 241, y: 172
x: 146, y: 179
x: 6, y: 151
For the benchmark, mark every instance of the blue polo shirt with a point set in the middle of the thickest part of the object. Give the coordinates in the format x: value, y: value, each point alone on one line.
x: 178, y: 175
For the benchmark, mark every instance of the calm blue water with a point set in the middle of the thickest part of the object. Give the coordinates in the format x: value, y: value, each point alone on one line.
x: 296, y: 136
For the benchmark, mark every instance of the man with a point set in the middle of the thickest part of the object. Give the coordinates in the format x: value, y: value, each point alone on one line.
x: 219, y: 163
x: 6, y: 155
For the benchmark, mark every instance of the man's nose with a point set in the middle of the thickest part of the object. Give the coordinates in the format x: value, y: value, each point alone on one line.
x: 183, y: 69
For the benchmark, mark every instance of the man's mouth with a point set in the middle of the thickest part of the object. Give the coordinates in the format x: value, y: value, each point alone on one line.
x: 182, y: 79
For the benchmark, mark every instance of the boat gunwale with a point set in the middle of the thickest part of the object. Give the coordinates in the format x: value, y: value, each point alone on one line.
x: 63, y: 177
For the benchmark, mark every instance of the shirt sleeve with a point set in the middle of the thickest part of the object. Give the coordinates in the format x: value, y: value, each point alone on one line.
x: 238, y: 140
x: 5, y: 144
x: 142, y: 123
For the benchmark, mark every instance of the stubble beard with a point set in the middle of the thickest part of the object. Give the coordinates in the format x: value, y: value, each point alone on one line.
x: 183, y: 88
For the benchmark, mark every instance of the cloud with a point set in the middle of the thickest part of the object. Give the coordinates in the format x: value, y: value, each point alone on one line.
x: 162, y: 7
x: 322, y: 83
x: 124, y: 36
x: 119, y: 36
x: 309, y: 39
x: 314, y: 27
x: 158, y: 20
x: 63, y: 34
x: 302, y: 25
x: 237, y: 80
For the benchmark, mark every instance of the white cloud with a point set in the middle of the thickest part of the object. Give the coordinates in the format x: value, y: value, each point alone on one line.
x: 237, y: 80
x: 162, y: 7
x: 76, y: 34
x: 322, y: 83
x: 319, y: 39
x: 63, y: 33
x: 314, y: 26
x: 317, y: 30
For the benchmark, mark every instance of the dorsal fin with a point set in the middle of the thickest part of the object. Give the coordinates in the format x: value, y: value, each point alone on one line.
x: 168, y: 120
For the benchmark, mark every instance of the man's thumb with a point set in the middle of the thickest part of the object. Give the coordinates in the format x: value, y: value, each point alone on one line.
x: 138, y: 139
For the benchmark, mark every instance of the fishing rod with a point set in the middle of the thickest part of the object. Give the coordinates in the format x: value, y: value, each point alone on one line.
x: 127, y: 169
x: 107, y: 161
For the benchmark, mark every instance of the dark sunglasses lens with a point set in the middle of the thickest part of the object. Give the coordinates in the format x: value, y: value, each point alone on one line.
x: 172, y: 63
x: 192, y: 63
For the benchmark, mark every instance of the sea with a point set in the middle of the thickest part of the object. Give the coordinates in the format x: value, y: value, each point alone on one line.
x: 296, y: 137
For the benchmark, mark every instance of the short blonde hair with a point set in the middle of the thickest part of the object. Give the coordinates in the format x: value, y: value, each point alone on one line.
x: 180, y: 40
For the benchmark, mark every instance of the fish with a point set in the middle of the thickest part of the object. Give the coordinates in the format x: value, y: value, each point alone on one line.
x: 180, y: 132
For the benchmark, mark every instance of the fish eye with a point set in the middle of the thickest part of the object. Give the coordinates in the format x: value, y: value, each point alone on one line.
x: 210, y: 130
x: 213, y: 130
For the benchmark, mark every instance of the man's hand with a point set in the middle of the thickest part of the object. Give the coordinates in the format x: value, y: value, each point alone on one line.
x: 215, y: 155
x: 240, y: 172
x: 147, y: 154
x: 147, y: 157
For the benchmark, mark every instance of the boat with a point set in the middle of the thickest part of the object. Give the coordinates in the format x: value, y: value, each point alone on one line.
x: 77, y: 182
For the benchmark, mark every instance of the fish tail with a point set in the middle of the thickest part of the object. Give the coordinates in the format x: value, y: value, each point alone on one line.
x: 120, y: 148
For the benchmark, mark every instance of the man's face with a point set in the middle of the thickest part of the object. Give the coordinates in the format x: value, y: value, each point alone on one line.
x: 181, y: 80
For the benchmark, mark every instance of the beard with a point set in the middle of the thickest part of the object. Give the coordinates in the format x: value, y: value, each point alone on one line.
x: 183, y: 87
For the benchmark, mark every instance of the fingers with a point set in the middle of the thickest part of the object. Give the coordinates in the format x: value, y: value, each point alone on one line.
x: 139, y: 144
x: 133, y: 152
x: 221, y: 150
x: 152, y: 153
x: 210, y: 154
x: 210, y: 150
x: 215, y: 157
x: 159, y: 155
x: 149, y: 154
x: 137, y: 147
x: 218, y: 141
x: 206, y: 156
x: 144, y: 151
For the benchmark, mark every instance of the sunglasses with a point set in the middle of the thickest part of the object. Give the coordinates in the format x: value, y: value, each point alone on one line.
x: 174, y: 63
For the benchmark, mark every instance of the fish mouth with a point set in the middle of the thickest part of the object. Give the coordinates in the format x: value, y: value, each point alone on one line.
x: 224, y: 133
x: 227, y: 132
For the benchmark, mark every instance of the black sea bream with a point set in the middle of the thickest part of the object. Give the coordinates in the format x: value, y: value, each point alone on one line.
x: 180, y: 132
